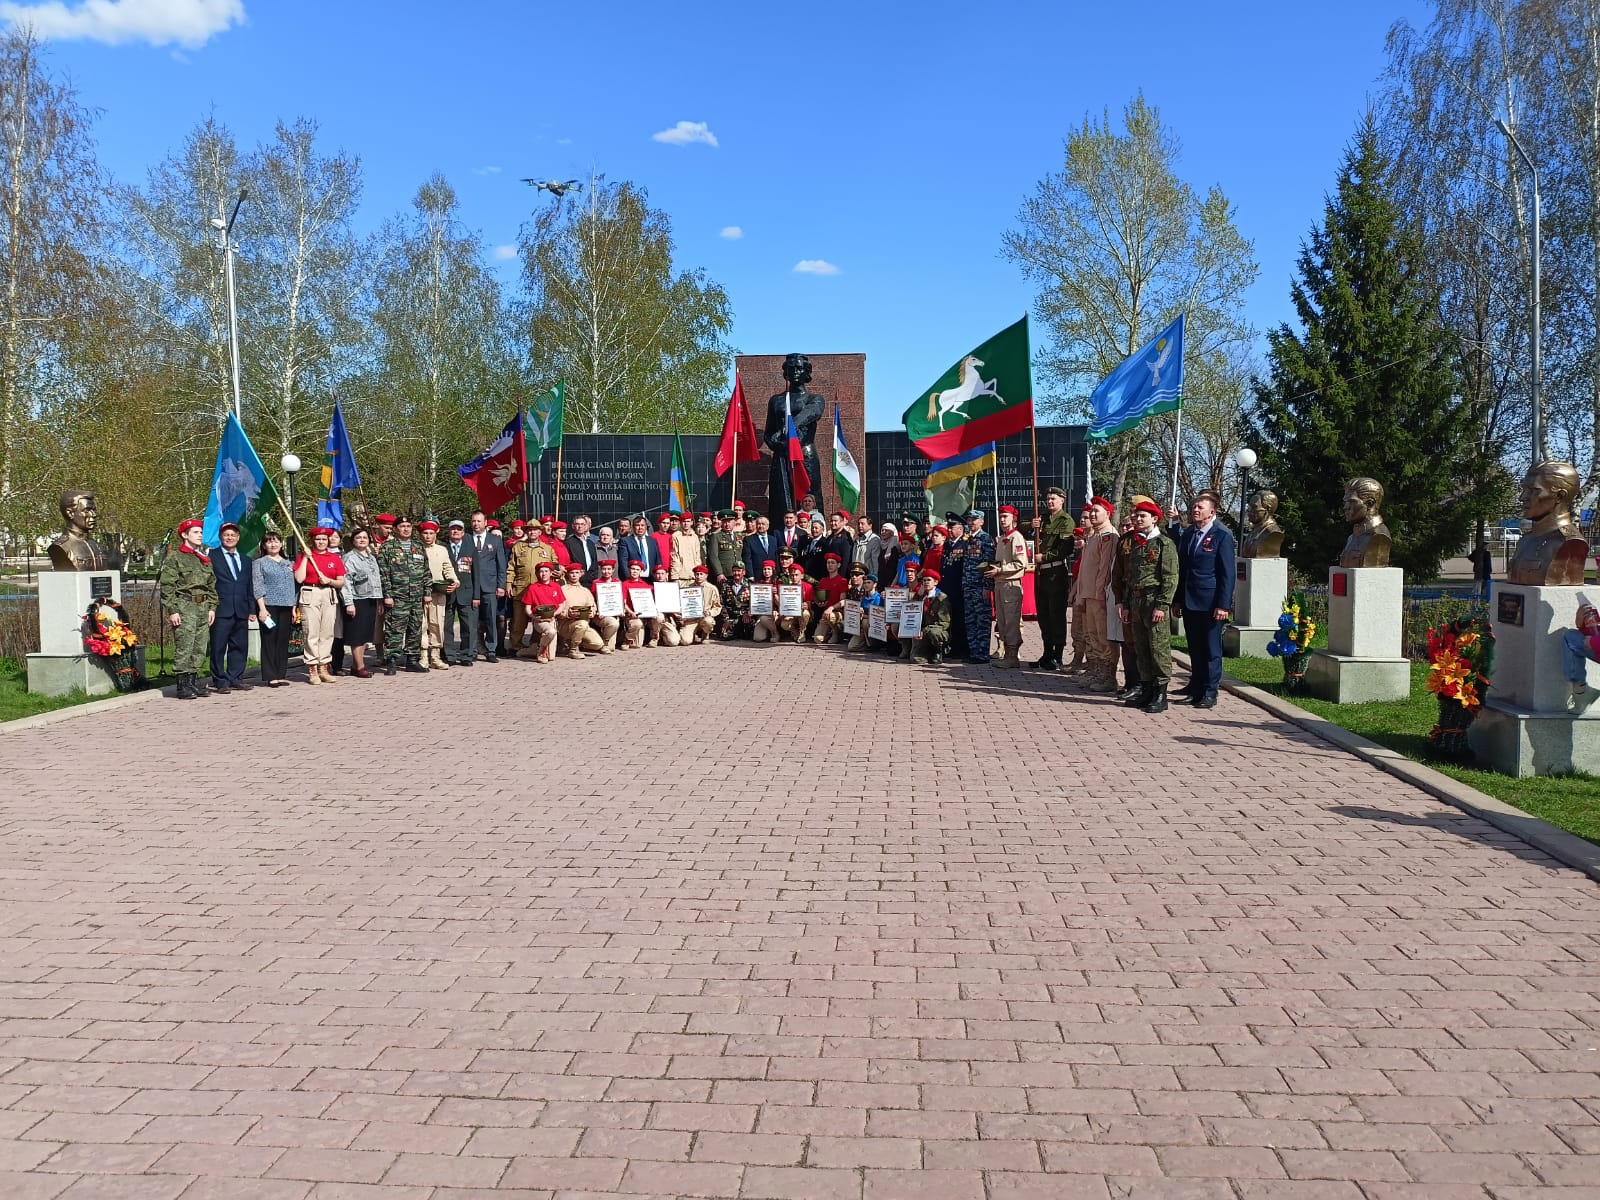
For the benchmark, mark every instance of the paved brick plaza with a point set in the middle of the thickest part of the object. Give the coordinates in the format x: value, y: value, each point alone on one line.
x: 757, y: 922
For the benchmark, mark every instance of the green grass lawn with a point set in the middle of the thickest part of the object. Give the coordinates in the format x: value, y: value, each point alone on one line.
x: 1569, y: 801
x: 17, y: 701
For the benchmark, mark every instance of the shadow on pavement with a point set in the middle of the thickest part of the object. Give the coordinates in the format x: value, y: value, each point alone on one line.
x: 1458, y: 824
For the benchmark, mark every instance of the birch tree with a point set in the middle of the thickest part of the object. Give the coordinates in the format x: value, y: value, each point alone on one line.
x: 640, y: 343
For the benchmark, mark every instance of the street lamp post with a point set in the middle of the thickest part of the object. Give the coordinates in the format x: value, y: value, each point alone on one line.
x: 229, y: 250
x: 1244, y: 458
x: 291, y: 467
x: 1539, y: 452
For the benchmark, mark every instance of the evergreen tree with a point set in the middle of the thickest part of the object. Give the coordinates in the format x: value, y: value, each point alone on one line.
x: 1368, y: 387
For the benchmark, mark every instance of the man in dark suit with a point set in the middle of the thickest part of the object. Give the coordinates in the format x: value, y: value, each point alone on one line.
x: 792, y: 537
x: 584, y: 548
x: 1206, y: 553
x: 487, y: 550
x: 760, y: 546
x: 640, y: 546
x: 236, y: 604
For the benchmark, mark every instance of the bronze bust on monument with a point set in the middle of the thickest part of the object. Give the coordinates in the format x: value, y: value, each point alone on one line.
x: 1552, y: 553
x: 1369, y: 536
x: 75, y: 549
x: 1264, y: 537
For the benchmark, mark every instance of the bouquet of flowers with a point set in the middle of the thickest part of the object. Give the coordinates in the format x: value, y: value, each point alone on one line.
x: 107, y: 635
x: 1292, y: 642
x: 1460, y: 661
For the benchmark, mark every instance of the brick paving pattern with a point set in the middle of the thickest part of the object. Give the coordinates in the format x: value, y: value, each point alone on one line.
x: 553, y: 932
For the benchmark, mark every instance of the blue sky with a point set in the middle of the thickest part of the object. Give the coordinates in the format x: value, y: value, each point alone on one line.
x: 895, y: 142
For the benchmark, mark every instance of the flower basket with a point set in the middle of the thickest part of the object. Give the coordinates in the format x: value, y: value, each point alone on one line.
x: 1460, y: 661
x: 1292, y: 642
x: 108, y: 637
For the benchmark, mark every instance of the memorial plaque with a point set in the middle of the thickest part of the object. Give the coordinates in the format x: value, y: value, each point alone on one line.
x: 1340, y: 584
x: 100, y: 585
x: 1509, y: 608
x: 1243, y: 569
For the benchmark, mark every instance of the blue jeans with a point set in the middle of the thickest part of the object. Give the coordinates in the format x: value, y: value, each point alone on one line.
x: 1575, y: 656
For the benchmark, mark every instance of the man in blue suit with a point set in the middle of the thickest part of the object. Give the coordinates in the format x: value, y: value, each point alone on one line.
x: 230, y: 632
x: 1206, y: 553
x: 641, y: 546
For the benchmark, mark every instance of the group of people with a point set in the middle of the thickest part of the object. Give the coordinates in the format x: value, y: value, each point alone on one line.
x: 1126, y: 586
x: 427, y: 598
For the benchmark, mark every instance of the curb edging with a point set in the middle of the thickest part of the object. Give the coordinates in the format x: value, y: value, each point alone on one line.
x: 1566, y: 848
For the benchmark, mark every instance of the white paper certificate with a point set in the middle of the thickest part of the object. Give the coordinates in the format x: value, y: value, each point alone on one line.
x: 852, y: 617
x: 877, y: 624
x: 693, y: 603
x: 608, y: 598
x: 644, y: 602
x: 789, y: 600
x: 669, y: 597
x: 760, y: 599
x: 911, y: 621
x: 893, y: 600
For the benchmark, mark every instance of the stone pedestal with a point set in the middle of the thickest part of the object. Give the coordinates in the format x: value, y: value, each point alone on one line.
x: 1524, y: 727
x: 61, y: 667
x: 1258, y: 596
x: 1363, y: 661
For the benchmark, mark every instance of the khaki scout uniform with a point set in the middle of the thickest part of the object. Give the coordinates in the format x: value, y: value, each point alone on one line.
x: 576, y: 634
x: 1010, y: 565
x: 520, y: 563
x: 441, y: 574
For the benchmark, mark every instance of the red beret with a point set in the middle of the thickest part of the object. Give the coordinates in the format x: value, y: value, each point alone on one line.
x: 830, y: 556
x: 575, y: 566
x: 1079, y: 531
x: 427, y: 525
x: 321, y: 531
x: 930, y: 573
x: 190, y: 523
x: 664, y: 518
x: 1103, y: 503
x: 519, y: 523
x: 940, y: 529
x: 558, y: 525
x: 767, y: 562
x: 388, y: 519
x: 637, y: 562
x: 661, y: 569
x: 1146, y: 506
x: 797, y: 567
x: 1006, y: 508
x: 912, y: 566
x: 541, y: 566
x: 702, y: 569
x: 493, y: 524
x: 842, y: 513
x: 227, y: 525
x: 739, y: 504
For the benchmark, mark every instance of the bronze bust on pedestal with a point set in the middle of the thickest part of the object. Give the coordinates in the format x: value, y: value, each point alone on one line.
x: 1264, y: 536
x: 1553, y: 552
x: 75, y: 549
x: 1369, y: 536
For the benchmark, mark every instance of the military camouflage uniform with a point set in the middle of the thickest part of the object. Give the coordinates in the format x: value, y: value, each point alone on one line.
x: 188, y: 587
x: 975, y: 611
x: 936, y: 618
x: 1052, y: 584
x: 1152, y: 580
x: 735, y: 611
x: 403, y: 568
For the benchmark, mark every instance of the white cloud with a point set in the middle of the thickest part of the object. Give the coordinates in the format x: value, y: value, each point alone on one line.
x: 189, y: 23
x: 686, y: 133
x: 504, y: 253
x: 732, y: 232
x: 815, y: 266
x: 486, y: 170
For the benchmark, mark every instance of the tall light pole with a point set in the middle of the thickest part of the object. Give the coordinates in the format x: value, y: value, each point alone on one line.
x: 1539, y: 452
x: 1244, y: 458
x: 229, y: 250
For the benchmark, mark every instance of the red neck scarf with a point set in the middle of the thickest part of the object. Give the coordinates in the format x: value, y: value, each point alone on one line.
x: 188, y: 549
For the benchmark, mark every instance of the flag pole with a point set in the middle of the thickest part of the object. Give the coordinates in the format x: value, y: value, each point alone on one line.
x: 560, y: 450
x: 1177, y: 454
x: 522, y: 492
x: 305, y: 543
x: 1033, y: 432
x: 733, y: 485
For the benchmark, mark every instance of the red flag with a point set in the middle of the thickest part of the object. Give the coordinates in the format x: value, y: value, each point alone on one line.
x: 738, y: 431
x: 799, y: 480
x: 499, y: 474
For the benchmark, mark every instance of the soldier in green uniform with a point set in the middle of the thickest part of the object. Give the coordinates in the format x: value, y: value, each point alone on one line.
x: 403, y: 569
x: 1053, y: 576
x: 1146, y: 601
x: 188, y: 586
x: 724, y: 548
x: 934, y: 641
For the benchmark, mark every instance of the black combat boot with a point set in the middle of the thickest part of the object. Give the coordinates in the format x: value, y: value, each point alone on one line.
x: 1139, y: 696
x: 185, y: 689
x: 1157, y: 702
x: 388, y: 664
x: 415, y: 667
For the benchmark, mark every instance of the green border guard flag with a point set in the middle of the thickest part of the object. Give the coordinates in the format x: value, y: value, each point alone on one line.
x: 986, y: 395
x: 541, y: 424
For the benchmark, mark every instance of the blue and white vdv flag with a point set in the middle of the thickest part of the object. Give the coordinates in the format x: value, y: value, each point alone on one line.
x: 1148, y: 383
x: 240, y: 491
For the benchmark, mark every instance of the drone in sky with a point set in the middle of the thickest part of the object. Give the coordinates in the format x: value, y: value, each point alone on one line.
x: 556, y: 187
